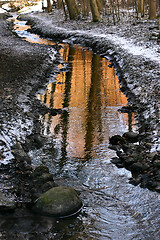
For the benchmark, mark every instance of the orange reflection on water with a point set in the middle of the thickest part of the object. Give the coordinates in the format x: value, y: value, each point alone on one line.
x: 21, y: 27
x: 90, y: 93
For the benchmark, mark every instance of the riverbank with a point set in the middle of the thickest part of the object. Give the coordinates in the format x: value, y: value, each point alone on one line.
x: 24, y: 68
x: 135, y: 55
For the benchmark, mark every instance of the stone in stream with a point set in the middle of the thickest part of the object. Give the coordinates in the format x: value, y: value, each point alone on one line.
x: 41, y: 181
x: 131, y: 137
x: 156, y: 163
x: 116, y: 140
x: 59, y: 201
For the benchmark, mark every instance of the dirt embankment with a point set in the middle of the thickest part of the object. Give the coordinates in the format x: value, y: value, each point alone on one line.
x: 24, y: 68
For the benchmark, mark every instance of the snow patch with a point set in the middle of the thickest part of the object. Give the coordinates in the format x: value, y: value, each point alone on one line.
x: 130, y: 47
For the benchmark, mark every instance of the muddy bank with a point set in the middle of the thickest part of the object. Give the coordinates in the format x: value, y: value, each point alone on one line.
x: 136, y: 59
x: 24, y: 68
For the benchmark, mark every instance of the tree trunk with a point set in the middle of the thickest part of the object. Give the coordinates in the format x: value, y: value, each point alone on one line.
x: 84, y: 8
x: 152, y: 9
x: 142, y: 8
x: 87, y: 7
x: 139, y: 6
x: 99, y: 5
x: 49, y: 6
x: 72, y: 9
x: 94, y: 10
x: 59, y: 4
x: 64, y: 9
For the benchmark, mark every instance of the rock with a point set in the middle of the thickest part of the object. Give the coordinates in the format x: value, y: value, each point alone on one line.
x: 48, y: 185
x: 136, y: 167
x: 131, y: 137
x: 127, y: 109
x: 135, y: 182
x: 126, y: 148
x: 157, y: 177
x: 59, y: 201
x: 19, y: 154
x: 33, y: 141
x: 41, y: 181
x: 122, y: 156
x: 116, y: 160
x: 151, y: 184
x: 7, y: 203
x: 156, y: 163
x: 120, y: 165
x: 157, y: 188
x: 45, y: 177
x: 39, y: 171
x: 114, y: 147
x: 129, y: 161
x: 116, y: 140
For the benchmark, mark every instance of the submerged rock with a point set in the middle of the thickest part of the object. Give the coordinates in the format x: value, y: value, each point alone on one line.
x: 59, y: 201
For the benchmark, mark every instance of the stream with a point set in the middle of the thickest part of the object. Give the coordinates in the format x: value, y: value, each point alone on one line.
x: 77, y: 153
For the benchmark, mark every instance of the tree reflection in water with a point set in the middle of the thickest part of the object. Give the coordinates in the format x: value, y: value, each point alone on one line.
x: 90, y: 93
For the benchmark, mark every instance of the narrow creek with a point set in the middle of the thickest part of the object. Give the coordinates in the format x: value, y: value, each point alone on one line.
x: 77, y: 152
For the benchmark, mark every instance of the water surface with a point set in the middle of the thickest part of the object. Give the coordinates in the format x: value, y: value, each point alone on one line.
x: 90, y: 96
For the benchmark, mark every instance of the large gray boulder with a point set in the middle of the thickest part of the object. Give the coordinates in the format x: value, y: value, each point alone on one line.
x: 59, y: 201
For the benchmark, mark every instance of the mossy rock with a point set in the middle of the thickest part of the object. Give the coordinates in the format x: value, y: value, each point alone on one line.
x: 59, y: 201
